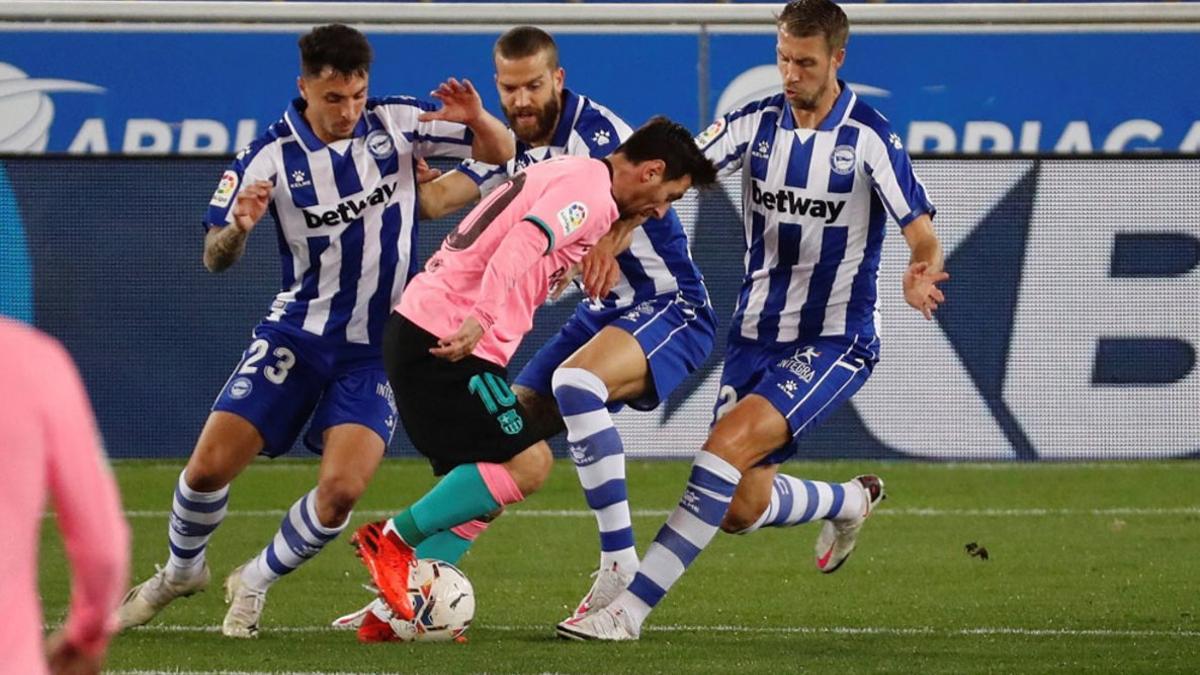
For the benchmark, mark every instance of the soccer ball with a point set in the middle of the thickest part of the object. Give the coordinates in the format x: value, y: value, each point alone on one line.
x: 443, y: 603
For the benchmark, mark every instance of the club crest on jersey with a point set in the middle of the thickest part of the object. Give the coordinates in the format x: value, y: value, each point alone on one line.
x: 225, y: 189
x: 380, y: 145
x: 842, y: 159
x: 710, y: 134
x: 572, y: 217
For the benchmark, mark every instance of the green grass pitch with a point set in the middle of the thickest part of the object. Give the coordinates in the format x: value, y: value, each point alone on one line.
x: 1092, y: 568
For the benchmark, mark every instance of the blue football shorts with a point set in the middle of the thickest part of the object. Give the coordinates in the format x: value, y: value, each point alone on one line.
x: 805, y: 381
x: 284, y: 380
x: 675, y: 335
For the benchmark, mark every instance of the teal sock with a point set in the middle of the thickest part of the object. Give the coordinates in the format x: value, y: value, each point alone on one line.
x: 446, y: 546
x: 459, y: 497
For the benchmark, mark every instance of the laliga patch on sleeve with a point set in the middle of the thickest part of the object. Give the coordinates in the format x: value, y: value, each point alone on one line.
x: 710, y: 134
x: 572, y: 217
x: 226, y: 189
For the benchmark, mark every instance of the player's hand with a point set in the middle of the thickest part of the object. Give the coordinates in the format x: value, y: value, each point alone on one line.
x: 460, y: 103
x: 458, y: 346
x: 920, y: 288
x: 425, y: 174
x: 599, y: 269
x: 564, y: 282
x: 67, y: 659
x: 251, y: 204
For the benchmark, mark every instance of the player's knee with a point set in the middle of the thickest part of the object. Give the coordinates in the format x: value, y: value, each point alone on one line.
x: 531, y: 468
x: 204, y: 475
x: 336, y: 497
x: 729, y: 443
x: 541, y: 412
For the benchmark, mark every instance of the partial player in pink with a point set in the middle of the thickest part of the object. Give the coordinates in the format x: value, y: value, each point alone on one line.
x: 51, y: 447
x: 459, y: 322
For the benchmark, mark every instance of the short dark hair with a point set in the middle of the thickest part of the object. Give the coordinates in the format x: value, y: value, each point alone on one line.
x: 805, y: 18
x: 525, y: 41
x: 661, y: 138
x: 335, y: 46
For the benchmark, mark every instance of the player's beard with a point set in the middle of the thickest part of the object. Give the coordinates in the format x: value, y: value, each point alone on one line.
x: 546, y: 117
x: 810, y: 102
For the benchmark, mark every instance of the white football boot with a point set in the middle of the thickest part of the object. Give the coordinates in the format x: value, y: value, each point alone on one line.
x: 838, y: 538
x: 148, y: 598
x: 245, y: 607
x: 604, y: 624
x: 354, y: 619
x: 608, y: 585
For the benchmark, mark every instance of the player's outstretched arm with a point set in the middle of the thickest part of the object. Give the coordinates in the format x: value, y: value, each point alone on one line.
x: 461, y: 103
x: 924, y: 267
x: 447, y: 194
x: 224, y: 245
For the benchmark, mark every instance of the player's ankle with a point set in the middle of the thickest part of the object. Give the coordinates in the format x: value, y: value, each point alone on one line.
x: 177, y: 573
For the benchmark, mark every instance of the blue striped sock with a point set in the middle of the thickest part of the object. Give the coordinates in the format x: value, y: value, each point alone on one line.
x: 300, y: 537
x: 795, y: 501
x: 687, y: 531
x: 194, y: 517
x: 599, y: 456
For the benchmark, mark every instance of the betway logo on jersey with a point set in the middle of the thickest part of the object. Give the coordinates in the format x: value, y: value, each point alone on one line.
x: 784, y: 200
x: 349, y: 210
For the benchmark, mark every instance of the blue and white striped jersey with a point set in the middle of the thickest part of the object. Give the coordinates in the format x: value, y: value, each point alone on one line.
x: 815, y: 202
x: 345, y: 213
x: 658, y: 261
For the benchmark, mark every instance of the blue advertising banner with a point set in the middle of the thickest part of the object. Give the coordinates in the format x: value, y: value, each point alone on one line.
x: 1068, y: 93
x: 144, y: 92
x: 212, y: 93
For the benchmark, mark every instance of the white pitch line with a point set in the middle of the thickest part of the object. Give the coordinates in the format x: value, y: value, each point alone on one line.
x: 768, y: 630
x: 662, y: 513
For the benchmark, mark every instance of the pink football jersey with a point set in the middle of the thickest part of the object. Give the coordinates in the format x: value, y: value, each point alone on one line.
x: 499, y: 264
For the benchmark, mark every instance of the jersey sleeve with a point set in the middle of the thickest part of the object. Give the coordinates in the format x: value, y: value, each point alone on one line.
x: 724, y: 142
x: 508, y: 264
x: 891, y: 172
x: 87, y: 505
x: 487, y: 176
x: 254, y: 163
x: 439, y: 138
x: 572, y: 210
x: 429, y: 139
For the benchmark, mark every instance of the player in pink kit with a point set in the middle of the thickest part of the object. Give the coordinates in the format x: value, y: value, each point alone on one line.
x: 447, y: 345
x: 51, y: 447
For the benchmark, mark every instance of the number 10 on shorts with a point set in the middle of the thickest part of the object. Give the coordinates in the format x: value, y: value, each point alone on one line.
x: 496, y: 394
